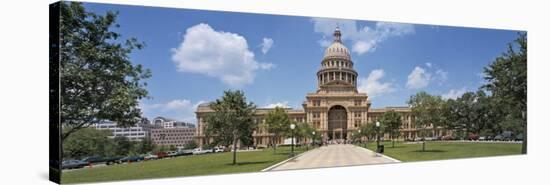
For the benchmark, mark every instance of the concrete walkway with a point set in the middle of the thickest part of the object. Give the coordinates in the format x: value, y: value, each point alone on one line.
x: 333, y: 156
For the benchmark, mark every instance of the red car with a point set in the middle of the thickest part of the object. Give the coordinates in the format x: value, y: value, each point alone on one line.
x: 473, y: 137
x: 161, y: 155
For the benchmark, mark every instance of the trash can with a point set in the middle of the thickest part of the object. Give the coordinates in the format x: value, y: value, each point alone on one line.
x: 380, y: 149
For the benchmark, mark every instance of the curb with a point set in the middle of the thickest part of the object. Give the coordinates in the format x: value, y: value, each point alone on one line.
x: 385, y: 156
x: 286, y: 160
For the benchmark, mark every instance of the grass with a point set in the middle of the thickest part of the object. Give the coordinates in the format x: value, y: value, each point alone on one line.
x: 209, y: 164
x: 446, y: 150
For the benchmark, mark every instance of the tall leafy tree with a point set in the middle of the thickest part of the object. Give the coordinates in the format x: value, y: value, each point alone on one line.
x: 145, y: 145
x: 392, y: 122
x: 88, y: 142
x: 123, y: 146
x: 278, y: 123
x: 97, y: 79
x: 232, y: 120
x: 427, y: 110
x: 507, y: 81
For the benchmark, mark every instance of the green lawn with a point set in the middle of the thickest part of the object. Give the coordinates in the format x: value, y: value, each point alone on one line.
x: 446, y: 150
x: 208, y: 164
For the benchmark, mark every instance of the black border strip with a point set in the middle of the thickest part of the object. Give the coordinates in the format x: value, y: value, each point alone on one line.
x: 54, y: 125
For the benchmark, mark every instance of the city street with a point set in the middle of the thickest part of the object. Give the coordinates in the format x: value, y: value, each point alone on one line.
x: 333, y: 156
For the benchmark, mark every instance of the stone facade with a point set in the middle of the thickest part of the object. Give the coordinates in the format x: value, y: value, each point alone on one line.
x: 335, y: 110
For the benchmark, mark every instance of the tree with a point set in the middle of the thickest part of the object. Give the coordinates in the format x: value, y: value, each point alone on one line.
x: 145, y: 145
x: 97, y: 79
x: 303, y: 132
x: 278, y: 123
x: 123, y: 145
x: 232, y: 120
x: 427, y: 110
x: 392, y: 123
x: 88, y: 142
x: 507, y: 81
x: 191, y: 145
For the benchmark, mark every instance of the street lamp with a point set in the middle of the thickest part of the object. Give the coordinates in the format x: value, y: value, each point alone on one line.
x: 313, y: 139
x: 377, y: 136
x: 292, y: 126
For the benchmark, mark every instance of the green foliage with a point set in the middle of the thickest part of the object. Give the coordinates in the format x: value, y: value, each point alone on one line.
x: 88, y: 142
x: 507, y: 81
x: 145, y: 145
x: 368, y: 130
x: 97, y: 79
x: 278, y: 124
x: 392, y: 123
x: 427, y: 110
x: 124, y: 146
x: 191, y: 145
x: 232, y: 120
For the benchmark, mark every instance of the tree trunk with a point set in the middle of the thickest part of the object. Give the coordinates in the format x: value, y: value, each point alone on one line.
x: 393, y: 141
x: 274, y: 144
x: 235, y: 151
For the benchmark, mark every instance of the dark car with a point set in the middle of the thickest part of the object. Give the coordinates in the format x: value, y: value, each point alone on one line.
x: 112, y: 160
x: 73, y: 164
x: 93, y: 159
x: 519, y: 137
x: 132, y: 159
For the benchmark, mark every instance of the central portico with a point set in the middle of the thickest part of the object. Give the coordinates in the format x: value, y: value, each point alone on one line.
x: 336, y: 108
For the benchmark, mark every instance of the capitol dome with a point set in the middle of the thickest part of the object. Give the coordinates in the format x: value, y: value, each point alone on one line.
x: 337, y: 49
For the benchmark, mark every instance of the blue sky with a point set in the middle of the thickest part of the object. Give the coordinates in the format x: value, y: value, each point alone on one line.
x: 195, y: 55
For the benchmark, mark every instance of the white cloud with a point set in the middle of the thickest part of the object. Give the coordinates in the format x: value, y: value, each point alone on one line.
x: 179, y: 109
x: 283, y: 104
x: 429, y: 64
x: 364, y: 39
x: 441, y: 75
x: 218, y: 54
x: 372, y: 85
x: 266, y: 44
x: 453, y: 94
x: 418, y: 78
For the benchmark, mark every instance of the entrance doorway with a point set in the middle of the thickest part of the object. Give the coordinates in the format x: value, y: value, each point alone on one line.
x: 337, y: 123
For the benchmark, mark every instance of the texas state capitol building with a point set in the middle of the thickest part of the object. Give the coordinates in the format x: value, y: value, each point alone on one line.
x: 336, y: 109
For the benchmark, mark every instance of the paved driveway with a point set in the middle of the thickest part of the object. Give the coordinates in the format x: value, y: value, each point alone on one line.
x: 334, y: 155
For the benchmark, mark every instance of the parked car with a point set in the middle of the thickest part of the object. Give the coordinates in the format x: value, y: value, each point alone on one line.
x: 209, y: 150
x: 473, y: 137
x: 498, y: 138
x: 150, y: 157
x: 73, y: 164
x: 93, y: 159
x: 482, y: 138
x: 198, y: 151
x: 172, y: 154
x: 161, y: 155
x: 217, y: 149
x: 519, y: 137
x: 186, y: 152
x: 135, y: 158
x: 112, y: 160
x: 447, y: 137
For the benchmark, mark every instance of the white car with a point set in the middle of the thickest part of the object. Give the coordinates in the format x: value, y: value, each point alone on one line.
x: 150, y: 157
x: 216, y: 150
x: 198, y: 151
